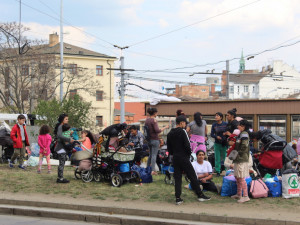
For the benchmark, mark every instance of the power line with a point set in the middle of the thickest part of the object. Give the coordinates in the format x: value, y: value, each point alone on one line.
x: 65, y: 22
x: 201, y: 21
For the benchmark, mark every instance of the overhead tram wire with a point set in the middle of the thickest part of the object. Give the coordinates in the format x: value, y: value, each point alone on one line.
x: 195, y: 23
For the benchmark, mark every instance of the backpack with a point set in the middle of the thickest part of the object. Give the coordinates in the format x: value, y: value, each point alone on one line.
x: 258, y: 189
x: 147, y: 133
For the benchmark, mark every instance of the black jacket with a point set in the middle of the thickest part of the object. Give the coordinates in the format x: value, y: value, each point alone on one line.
x: 178, y: 143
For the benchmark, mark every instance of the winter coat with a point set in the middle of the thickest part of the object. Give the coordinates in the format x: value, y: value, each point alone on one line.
x: 16, y: 137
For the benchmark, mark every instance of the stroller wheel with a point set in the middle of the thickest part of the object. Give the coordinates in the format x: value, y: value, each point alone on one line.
x: 98, y: 176
x: 116, y: 180
x: 77, y: 174
x: 87, y: 176
x: 135, y: 176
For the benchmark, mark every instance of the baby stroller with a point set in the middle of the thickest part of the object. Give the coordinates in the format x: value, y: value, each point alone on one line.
x: 275, y: 154
x: 6, y: 143
x: 108, y: 163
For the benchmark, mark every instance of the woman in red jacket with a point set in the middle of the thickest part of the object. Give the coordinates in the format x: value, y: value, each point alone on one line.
x: 19, y: 137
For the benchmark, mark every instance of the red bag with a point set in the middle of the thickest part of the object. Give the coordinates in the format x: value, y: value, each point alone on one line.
x: 258, y: 189
x: 271, y: 159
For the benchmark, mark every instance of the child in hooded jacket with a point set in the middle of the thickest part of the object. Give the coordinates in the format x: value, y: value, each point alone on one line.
x: 44, y: 141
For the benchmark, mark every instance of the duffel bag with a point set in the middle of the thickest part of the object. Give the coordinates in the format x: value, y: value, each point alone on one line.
x: 275, y: 187
x: 258, y: 189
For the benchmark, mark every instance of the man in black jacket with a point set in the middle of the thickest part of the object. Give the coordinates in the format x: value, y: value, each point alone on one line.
x: 179, y: 147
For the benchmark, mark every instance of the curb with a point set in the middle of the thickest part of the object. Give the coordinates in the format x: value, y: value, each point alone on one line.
x: 119, y: 215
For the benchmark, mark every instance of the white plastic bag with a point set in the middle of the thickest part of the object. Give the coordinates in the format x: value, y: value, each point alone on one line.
x: 33, y: 161
x: 35, y: 149
x: 290, y: 184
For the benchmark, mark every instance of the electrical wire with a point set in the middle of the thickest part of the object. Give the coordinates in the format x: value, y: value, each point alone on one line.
x: 145, y: 89
x: 195, y: 23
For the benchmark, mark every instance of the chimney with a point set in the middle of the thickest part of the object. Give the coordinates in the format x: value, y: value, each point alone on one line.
x: 224, y: 82
x: 53, y: 39
x: 212, y: 89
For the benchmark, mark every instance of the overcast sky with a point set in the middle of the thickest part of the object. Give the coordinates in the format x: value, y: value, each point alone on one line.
x: 215, y: 30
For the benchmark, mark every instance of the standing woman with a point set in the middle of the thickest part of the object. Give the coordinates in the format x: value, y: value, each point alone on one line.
x: 151, y: 123
x: 59, y: 148
x: 232, y: 122
x: 240, y: 163
x: 198, y: 131
x: 220, y: 146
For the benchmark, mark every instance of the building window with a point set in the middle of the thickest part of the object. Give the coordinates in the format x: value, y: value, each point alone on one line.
x: 99, y: 95
x: 99, y: 70
x: 238, y: 89
x: 25, y: 70
x: 43, y: 68
x: 6, y: 77
x: 295, y: 127
x: 72, y: 93
x: 277, y: 124
x: 203, y: 90
x: 246, y: 88
x: 73, y: 68
x: 25, y: 95
x: 99, y: 121
x: 231, y: 89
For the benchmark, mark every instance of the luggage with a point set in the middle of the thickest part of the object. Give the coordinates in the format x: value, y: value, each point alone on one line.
x: 258, y: 189
x: 145, y: 173
x: 271, y: 159
x: 290, y: 184
x: 229, y: 186
x: 275, y: 187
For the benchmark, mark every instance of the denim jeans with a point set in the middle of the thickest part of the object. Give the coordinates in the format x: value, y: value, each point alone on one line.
x: 153, y: 145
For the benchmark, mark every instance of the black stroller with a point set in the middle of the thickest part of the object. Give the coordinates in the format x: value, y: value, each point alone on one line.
x: 6, y: 143
x: 275, y: 154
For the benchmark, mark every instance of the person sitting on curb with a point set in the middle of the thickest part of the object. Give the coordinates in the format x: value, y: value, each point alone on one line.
x: 203, y: 171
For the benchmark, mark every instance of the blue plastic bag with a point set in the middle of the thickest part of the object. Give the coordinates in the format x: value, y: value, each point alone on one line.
x: 124, y: 167
x: 145, y: 173
x: 275, y: 188
x: 229, y: 186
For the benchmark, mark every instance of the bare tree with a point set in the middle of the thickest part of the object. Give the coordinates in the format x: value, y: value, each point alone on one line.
x: 28, y: 74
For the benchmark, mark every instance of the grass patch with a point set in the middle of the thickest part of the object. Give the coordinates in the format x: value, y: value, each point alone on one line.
x: 19, y: 181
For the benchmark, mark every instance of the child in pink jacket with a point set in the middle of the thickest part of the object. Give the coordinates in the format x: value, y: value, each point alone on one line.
x: 44, y: 141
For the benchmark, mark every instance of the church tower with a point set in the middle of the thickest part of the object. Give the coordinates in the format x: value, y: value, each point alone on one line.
x: 242, y: 63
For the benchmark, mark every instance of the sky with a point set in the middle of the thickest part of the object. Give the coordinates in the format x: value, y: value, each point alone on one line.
x: 165, y: 35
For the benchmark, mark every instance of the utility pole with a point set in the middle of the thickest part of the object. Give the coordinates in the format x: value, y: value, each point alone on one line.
x: 61, y: 94
x: 122, y: 100
x: 227, y: 77
x: 32, y: 88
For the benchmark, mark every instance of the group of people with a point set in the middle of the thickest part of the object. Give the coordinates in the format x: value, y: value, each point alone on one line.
x: 187, y: 138
x: 63, y: 143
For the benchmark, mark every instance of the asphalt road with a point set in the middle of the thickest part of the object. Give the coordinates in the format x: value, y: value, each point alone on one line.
x: 24, y: 220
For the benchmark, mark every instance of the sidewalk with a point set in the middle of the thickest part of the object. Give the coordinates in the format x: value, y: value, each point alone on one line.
x: 139, y: 212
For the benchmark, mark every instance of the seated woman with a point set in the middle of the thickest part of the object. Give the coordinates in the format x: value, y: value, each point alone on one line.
x: 203, y: 171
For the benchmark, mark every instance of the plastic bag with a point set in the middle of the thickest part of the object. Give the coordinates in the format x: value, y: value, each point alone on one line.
x: 35, y: 149
x: 275, y: 186
x: 33, y: 161
x: 229, y: 186
x: 290, y: 184
x: 145, y: 173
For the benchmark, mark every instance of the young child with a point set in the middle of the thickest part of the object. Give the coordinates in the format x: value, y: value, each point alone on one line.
x: 44, y: 141
x: 232, y: 140
x: 66, y: 131
x: 19, y: 137
x: 87, y: 139
x: 240, y: 163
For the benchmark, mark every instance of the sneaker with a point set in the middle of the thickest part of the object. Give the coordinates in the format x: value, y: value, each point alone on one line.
x: 49, y: 171
x: 22, y: 167
x: 236, y: 197
x: 62, y: 181
x: 244, y: 199
x: 11, y: 165
x: 203, y: 198
x: 179, y: 201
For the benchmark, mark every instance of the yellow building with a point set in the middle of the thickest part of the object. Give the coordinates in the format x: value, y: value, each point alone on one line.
x: 93, y: 67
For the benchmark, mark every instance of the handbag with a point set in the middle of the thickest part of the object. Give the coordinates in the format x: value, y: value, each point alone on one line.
x: 233, y: 154
x: 258, y: 189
